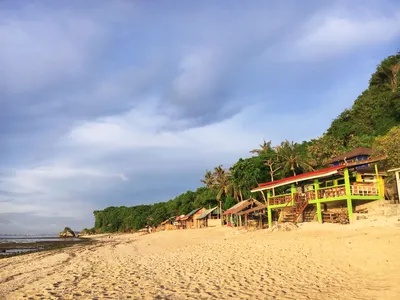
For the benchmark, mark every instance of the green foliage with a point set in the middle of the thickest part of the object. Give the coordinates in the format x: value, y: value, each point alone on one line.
x: 228, y: 203
x: 389, y: 145
x: 247, y: 173
x: 293, y: 158
x: 373, y: 120
x: 375, y: 111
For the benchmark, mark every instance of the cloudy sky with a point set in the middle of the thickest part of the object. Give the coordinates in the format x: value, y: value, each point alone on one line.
x: 127, y: 102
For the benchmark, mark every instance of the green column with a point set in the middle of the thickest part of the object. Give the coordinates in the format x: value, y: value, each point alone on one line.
x: 269, y: 210
x: 319, y: 211
x: 269, y: 217
x: 348, y: 193
x: 293, y: 191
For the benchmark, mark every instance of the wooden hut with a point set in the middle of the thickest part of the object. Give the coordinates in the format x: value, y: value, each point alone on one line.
x: 188, y: 221
x: 179, y: 223
x: 168, y: 224
x: 245, y: 211
x: 209, y: 218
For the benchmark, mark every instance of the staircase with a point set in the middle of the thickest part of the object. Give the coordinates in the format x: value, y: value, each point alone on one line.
x: 293, y: 213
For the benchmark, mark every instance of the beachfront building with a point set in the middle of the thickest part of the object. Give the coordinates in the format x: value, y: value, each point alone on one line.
x: 355, y: 155
x: 245, y: 213
x: 188, y: 221
x: 209, y: 218
x: 168, y: 224
x: 178, y: 223
x: 343, y: 185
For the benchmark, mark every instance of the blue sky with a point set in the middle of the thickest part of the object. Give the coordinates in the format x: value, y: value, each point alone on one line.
x: 122, y: 102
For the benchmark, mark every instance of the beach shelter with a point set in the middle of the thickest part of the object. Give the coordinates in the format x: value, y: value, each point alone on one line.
x: 209, y: 218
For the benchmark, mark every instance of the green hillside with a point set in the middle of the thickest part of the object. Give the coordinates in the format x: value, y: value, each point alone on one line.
x: 372, y: 121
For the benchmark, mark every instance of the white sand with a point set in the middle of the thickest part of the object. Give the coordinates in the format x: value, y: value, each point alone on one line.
x: 316, y: 262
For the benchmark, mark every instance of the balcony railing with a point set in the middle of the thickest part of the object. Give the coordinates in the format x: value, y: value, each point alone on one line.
x: 281, y: 199
x: 332, y: 192
x: 364, y: 189
x: 357, y: 189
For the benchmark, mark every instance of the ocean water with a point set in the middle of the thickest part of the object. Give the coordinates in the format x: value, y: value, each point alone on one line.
x: 12, y: 238
x: 20, y: 240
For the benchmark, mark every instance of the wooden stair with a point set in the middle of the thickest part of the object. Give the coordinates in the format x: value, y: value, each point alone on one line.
x: 293, y: 213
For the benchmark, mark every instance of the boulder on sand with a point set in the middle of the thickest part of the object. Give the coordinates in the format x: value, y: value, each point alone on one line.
x: 288, y: 226
x: 67, y: 233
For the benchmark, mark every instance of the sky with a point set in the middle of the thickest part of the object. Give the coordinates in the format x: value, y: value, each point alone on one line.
x: 110, y: 103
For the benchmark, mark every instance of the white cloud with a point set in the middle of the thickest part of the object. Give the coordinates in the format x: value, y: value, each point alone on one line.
x: 336, y: 32
x: 39, y: 47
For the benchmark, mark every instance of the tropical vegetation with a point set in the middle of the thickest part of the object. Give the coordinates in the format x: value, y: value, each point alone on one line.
x: 372, y: 121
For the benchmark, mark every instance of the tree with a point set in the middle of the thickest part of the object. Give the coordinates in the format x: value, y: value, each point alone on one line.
x: 222, y: 184
x: 271, y: 160
x: 291, y: 158
x: 323, y: 149
x: 389, y: 145
x: 208, y: 179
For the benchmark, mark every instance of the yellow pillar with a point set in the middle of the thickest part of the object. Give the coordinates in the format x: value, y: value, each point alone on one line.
x: 348, y: 194
x: 319, y: 211
x: 380, y: 183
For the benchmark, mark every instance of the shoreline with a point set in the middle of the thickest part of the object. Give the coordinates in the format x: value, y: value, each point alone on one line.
x: 11, y: 249
x: 326, y: 262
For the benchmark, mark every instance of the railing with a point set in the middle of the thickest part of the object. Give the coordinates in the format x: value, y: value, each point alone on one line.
x: 281, y: 199
x: 357, y: 189
x: 332, y: 192
x: 363, y: 189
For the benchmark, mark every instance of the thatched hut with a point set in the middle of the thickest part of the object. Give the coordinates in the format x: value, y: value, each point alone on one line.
x: 168, y: 224
x: 245, y: 213
x: 209, y: 218
x: 188, y: 221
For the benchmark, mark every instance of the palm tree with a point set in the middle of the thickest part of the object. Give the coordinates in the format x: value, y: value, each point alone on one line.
x: 222, y: 184
x: 264, y: 148
x: 267, y: 151
x: 208, y: 179
x: 291, y: 158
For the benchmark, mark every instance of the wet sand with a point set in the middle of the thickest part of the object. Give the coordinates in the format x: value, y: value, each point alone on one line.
x: 18, y: 248
x: 359, y: 261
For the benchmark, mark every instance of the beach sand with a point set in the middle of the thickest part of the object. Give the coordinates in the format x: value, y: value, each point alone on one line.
x: 358, y: 261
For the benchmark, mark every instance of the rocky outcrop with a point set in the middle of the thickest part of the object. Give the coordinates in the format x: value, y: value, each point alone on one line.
x: 67, y: 233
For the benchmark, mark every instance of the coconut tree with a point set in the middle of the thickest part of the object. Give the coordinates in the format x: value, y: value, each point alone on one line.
x: 222, y: 184
x: 271, y: 160
x: 291, y: 157
x: 208, y: 179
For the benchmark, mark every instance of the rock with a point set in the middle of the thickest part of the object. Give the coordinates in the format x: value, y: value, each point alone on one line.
x: 67, y: 233
x: 287, y: 226
x: 2, y: 250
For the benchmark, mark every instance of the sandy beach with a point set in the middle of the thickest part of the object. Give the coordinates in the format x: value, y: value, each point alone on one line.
x: 359, y: 261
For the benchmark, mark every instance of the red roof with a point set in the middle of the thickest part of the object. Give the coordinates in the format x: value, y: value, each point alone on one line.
x: 313, y: 175
x: 301, y: 177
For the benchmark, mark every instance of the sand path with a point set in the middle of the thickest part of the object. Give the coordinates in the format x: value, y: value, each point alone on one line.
x: 315, y: 262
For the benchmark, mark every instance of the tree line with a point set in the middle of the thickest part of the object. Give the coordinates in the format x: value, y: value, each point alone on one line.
x: 373, y: 121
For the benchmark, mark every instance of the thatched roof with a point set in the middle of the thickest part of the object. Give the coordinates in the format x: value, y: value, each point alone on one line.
x: 243, y: 205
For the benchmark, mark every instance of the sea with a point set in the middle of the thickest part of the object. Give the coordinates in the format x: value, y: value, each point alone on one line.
x: 20, y: 240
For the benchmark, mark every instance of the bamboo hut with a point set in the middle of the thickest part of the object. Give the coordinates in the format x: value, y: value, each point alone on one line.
x: 168, y: 224
x: 246, y: 213
x: 178, y: 223
x: 188, y: 221
x: 209, y: 218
